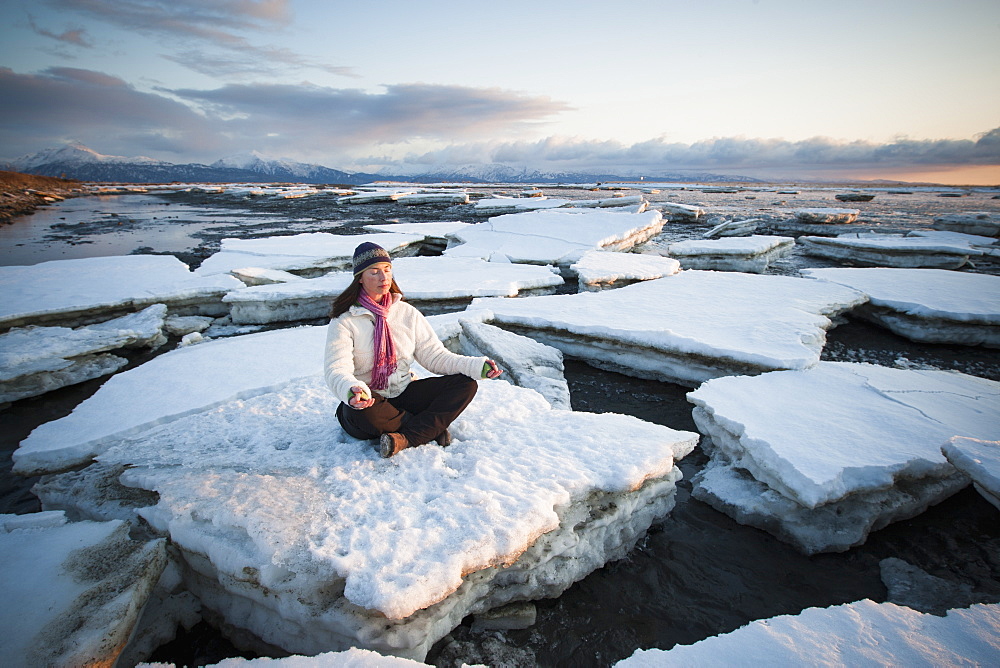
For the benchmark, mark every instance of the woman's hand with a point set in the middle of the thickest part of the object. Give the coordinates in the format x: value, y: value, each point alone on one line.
x: 493, y: 369
x: 360, y: 399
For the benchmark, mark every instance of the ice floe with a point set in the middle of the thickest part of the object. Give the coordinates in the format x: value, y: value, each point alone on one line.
x: 882, y: 250
x: 822, y: 456
x: 306, y: 538
x: 73, y: 592
x: 514, y: 204
x: 598, y: 270
x: 750, y: 254
x: 35, y: 360
x: 863, y: 633
x: 979, y: 223
x: 94, y: 289
x: 310, y: 254
x: 980, y: 460
x: 685, y: 328
x: 678, y: 211
x: 926, y: 305
x: 733, y: 228
x: 559, y: 237
x: 422, y: 279
x: 820, y: 221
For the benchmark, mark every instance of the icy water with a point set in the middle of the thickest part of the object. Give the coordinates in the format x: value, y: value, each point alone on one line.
x: 698, y: 573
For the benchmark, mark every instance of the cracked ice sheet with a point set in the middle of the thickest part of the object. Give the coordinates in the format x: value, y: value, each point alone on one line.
x: 596, y: 267
x: 768, y: 322
x: 555, y: 236
x: 838, y: 428
x: 274, y: 481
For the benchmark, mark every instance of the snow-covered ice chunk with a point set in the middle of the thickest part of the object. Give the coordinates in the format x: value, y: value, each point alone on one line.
x: 733, y: 228
x: 259, y: 276
x: 94, y: 289
x: 874, y: 438
x: 679, y: 211
x: 979, y: 222
x: 307, y: 538
x: 980, y: 460
x: 527, y: 362
x: 885, y: 250
x: 35, y: 360
x: 432, y: 230
x: 434, y: 198
x: 513, y: 204
x: 420, y: 279
x: 598, y: 270
x: 926, y: 305
x: 377, y: 196
x: 309, y: 254
x: 73, y: 592
x: 863, y: 633
x: 174, y: 384
x: 557, y: 237
x: 750, y: 254
x: 685, y: 328
x: 827, y: 216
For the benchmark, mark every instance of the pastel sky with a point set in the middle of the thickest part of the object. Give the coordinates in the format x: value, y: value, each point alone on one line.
x: 785, y: 89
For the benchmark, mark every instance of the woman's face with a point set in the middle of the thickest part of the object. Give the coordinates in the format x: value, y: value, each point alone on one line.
x: 377, y: 279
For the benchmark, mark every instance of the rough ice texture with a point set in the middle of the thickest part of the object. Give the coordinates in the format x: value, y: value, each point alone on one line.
x: 434, y: 198
x: 258, y: 276
x: 688, y: 327
x: 512, y: 204
x: 527, y: 362
x: 35, y: 360
x: 890, y: 251
x: 558, y: 237
x: 420, y: 279
x: 308, y: 539
x: 926, y: 305
x: 309, y: 254
x: 874, y: 438
x: 72, y: 592
x: 826, y: 215
x: 681, y: 211
x: 910, y: 586
x: 751, y: 254
x: 89, y: 290
x: 980, y: 460
x: 597, y: 270
x: 978, y: 222
x: 733, y: 228
x: 864, y: 633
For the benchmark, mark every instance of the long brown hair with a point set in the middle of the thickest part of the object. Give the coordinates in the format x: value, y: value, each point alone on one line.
x: 349, y: 297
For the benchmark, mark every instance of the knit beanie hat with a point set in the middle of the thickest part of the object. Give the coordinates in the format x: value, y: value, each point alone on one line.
x: 367, y: 254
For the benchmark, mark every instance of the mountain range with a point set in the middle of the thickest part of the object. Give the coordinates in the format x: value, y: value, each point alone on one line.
x: 76, y: 161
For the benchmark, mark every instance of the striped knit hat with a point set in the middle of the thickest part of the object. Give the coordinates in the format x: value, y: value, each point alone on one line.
x: 367, y: 254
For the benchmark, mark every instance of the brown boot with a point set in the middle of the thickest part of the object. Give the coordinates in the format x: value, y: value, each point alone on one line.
x: 391, y: 443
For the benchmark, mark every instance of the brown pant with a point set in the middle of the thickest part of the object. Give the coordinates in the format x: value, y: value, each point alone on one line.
x: 422, y: 412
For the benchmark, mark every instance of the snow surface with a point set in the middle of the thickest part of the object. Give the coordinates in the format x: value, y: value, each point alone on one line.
x: 88, y: 287
x: 555, y: 236
x: 750, y: 254
x: 980, y: 460
x: 892, y: 251
x: 863, y: 633
x: 688, y: 327
x: 597, y: 269
x: 866, y: 426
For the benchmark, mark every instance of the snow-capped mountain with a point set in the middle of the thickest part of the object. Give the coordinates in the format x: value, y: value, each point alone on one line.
x: 78, y: 154
x: 282, y: 169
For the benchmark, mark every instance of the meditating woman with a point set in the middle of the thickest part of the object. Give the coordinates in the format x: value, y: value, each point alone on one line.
x: 373, y: 339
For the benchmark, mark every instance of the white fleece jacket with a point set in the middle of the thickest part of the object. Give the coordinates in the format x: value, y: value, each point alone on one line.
x: 350, y: 355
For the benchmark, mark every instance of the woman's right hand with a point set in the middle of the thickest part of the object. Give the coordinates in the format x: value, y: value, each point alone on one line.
x: 360, y: 399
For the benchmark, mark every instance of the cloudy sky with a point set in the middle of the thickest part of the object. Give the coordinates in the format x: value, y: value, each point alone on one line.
x: 853, y: 89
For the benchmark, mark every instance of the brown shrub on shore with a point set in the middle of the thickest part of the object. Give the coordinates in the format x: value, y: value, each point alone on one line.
x: 22, y: 193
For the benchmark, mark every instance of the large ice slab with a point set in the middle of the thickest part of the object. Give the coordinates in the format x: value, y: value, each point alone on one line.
x: 688, y: 327
x: 823, y: 221
x: 864, y: 633
x: 35, y: 360
x: 750, y: 254
x: 599, y: 270
x: 94, y: 289
x: 420, y: 278
x: 557, y: 237
x: 980, y: 460
x: 305, y: 537
x: 927, y: 305
x: 308, y: 254
x: 978, y: 222
x: 873, y: 452
x: 72, y: 592
x: 884, y: 250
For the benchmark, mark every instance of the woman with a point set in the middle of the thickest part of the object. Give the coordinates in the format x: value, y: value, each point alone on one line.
x: 373, y: 339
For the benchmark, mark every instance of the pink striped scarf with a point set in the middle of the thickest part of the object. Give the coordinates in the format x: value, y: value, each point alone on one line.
x: 384, y: 348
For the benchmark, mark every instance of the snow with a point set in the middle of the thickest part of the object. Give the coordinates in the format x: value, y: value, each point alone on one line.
x: 863, y: 633
x: 602, y: 269
x: 97, y: 288
x: 891, y: 250
x: 874, y: 439
x: 751, y: 254
x: 73, y: 592
x: 420, y: 279
x: 555, y: 236
x: 312, y: 251
x: 730, y: 323
x: 980, y: 460
x: 928, y: 305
